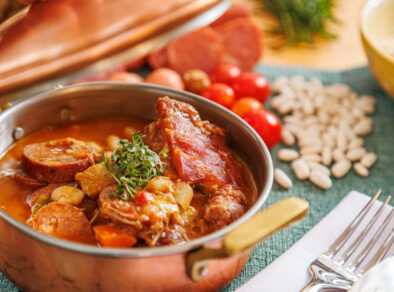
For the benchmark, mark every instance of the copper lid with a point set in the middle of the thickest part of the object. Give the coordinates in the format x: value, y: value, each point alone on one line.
x: 55, y: 42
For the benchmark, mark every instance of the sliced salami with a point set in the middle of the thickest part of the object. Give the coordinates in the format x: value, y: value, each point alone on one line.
x: 242, y: 42
x: 158, y: 59
x: 56, y: 160
x: 235, y: 11
x: 201, y: 49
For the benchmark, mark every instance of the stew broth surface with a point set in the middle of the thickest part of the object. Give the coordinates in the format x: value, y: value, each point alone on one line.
x: 13, y: 194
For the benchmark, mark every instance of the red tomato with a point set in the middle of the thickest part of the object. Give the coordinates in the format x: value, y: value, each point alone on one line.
x: 246, y: 104
x: 225, y: 73
x: 252, y: 84
x: 220, y: 93
x: 266, y: 124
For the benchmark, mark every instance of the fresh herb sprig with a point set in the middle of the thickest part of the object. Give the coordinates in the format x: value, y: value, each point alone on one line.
x: 300, y: 20
x: 133, y: 165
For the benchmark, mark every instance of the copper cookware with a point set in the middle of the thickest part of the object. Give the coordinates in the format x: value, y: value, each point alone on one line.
x: 37, y: 262
x: 55, y: 42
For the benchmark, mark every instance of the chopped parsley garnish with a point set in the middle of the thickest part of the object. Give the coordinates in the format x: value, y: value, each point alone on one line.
x: 133, y: 165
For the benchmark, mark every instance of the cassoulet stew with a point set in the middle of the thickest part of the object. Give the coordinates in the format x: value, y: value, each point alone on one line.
x: 123, y: 182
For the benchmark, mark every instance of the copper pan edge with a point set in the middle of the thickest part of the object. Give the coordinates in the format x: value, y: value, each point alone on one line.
x: 36, y: 262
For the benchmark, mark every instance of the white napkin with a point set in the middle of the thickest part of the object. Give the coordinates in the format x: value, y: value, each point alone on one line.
x: 290, y: 271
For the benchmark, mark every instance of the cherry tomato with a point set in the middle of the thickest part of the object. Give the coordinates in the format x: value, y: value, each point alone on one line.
x: 220, y: 93
x: 251, y: 84
x: 266, y: 124
x: 246, y: 104
x: 225, y: 73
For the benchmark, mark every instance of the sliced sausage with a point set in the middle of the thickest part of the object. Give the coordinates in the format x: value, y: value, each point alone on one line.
x: 242, y: 42
x: 63, y: 221
x: 45, y: 191
x: 158, y: 59
x: 201, y: 49
x: 234, y: 12
x: 56, y: 160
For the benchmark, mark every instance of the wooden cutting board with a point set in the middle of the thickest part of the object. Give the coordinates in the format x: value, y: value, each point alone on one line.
x: 344, y: 52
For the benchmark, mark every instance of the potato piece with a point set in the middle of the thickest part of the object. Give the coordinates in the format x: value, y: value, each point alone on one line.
x: 67, y: 195
x: 160, y: 184
x: 183, y: 194
x: 94, y: 179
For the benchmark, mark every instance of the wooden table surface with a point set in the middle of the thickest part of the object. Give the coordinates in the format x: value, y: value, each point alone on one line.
x: 342, y: 53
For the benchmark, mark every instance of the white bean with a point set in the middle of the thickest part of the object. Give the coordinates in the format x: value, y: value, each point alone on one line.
x: 312, y: 149
x: 360, y: 169
x: 287, y: 154
x: 320, y: 179
x: 285, y: 107
x: 369, y: 159
x: 355, y: 143
x: 309, y: 140
x: 67, y: 195
x: 338, y: 155
x: 326, y: 156
x: 287, y: 137
x: 320, y: 167
x: 282, y: 179
x: 301, y: 169
x: 328, y: 140
x: 355, y: 154
x: 311, y: 157
x: 341, y: 140
x: 340, y: 168
x: 363, y: 127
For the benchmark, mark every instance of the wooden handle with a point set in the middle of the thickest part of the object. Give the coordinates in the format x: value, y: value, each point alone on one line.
x: 268, y: 221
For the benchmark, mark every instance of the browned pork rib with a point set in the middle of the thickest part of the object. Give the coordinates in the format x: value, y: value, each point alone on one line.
x: 198, y: 152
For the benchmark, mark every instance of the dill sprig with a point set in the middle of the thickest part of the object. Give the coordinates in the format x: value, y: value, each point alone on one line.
x: 300, y: 20
x: 133, y: 165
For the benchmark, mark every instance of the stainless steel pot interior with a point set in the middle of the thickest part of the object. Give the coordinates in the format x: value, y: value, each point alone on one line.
x: 99, y: 99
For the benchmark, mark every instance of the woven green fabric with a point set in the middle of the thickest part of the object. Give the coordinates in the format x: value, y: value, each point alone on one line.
x: 381, y: 141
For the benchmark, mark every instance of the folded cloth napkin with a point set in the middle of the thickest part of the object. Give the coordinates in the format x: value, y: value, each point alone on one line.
x: 290, y: 272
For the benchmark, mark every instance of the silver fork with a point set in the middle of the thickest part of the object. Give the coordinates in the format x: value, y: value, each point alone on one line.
x: 332, y: 269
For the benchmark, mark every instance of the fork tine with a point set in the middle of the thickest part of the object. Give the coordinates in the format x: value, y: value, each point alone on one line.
x: 371, y: 243
x: 341, y: 240
x: 351, y: 249
x: 381, y: 252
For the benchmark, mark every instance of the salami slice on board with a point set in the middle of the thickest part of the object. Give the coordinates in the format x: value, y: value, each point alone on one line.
x: 201, y: 49
x: 242, y: 42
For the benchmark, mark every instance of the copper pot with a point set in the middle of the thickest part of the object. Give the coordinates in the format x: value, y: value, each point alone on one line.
x: 37, y: 262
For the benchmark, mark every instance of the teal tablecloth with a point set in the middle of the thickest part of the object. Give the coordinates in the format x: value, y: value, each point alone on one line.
x: 381, y: 141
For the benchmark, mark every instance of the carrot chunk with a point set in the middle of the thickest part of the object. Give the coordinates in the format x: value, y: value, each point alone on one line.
x: 109, y: 236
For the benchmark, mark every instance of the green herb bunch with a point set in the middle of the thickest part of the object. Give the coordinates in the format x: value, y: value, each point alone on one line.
x: 133, y: 165
x: 300, y: 20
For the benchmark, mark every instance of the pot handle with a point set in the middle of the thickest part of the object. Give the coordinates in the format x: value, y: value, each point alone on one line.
x: 274, y: 218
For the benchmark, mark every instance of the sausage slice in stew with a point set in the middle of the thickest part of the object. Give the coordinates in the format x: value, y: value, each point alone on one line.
x: 63, y: 221
x: 56, y: 160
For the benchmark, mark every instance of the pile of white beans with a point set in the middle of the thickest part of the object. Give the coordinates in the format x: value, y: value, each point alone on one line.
x: 326, y: 123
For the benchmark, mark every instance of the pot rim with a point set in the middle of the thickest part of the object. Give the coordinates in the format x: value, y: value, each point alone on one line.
x: 141, y: 251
